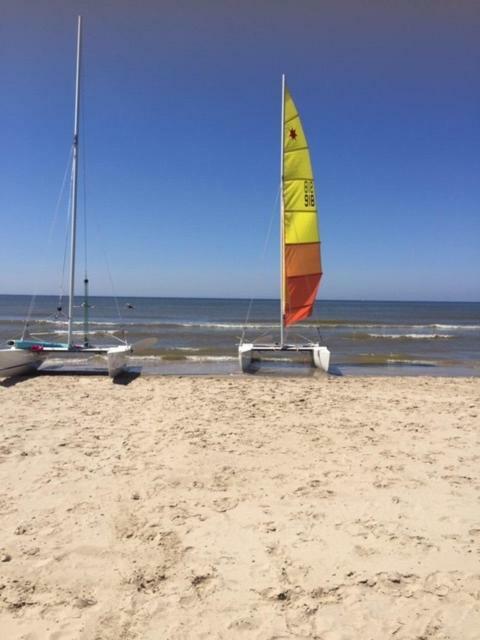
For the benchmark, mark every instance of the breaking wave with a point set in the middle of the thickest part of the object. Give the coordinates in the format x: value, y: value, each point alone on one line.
x: 409, y: 336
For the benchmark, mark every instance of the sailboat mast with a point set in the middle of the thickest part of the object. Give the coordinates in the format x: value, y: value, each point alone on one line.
x: 282, y: 224
x: 73, y: 230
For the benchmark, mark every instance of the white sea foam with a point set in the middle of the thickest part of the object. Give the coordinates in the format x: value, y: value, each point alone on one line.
x: 466, y: 327
x: 424, y: 363
x: 193, y: 358
x: 98, y: 323
x: 225, y: 325
x: 52, y: 361
x: 210, y: 358
x: 410, y: 336
x: 60, y: 332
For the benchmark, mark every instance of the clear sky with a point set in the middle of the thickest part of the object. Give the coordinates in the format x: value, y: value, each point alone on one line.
x: 181, y: 115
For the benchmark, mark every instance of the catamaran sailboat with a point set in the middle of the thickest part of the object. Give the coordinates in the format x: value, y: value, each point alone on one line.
x: 26, y: 355
x: 300, y: 262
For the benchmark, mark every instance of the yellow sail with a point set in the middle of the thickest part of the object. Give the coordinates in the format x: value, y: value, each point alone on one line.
x: 302, y: 263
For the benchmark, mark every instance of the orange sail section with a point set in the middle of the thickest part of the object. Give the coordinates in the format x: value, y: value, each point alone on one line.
x: 302, y: 267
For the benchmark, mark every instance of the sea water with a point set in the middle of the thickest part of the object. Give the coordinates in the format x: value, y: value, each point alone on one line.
x: 197, y: 335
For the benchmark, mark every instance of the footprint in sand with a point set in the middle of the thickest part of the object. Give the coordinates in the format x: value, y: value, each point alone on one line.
x: 225, y: 504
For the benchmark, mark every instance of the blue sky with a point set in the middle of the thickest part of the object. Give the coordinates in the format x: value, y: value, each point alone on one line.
x: 181, y: 114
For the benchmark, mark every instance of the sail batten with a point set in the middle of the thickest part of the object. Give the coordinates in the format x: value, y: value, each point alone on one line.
x: 301, y: 257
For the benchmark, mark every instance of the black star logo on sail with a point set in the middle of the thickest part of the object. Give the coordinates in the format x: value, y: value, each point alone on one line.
x: 292, y: 134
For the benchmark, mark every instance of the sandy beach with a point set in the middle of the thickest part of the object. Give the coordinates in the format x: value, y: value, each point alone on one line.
x: 240, y: 507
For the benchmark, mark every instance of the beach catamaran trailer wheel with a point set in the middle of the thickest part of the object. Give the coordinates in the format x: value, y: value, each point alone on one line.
x: 300, y: 261
x: 25, y: 356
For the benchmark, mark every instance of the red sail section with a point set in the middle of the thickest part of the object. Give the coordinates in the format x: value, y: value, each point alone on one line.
x: 303, y: 271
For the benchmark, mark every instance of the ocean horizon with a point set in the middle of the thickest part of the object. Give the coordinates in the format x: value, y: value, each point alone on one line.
x: 125, y: 296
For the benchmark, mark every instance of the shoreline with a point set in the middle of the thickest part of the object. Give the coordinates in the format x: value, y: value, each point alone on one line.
x: 228, y: 366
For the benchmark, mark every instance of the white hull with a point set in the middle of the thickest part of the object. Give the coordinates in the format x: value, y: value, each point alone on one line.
x: 320, y: 355
x: 14, y: 362
x: 117, y: 359
x: 17, y: 362
x: 245, y: 356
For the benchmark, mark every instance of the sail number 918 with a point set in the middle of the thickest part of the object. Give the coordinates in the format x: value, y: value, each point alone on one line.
x: 308, y: 193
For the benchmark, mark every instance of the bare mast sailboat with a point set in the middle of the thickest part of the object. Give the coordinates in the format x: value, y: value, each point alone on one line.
x: 300, y: 261
x: 26, y: 355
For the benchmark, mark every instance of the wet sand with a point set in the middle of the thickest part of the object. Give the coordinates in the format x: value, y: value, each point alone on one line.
x: 240, y: 507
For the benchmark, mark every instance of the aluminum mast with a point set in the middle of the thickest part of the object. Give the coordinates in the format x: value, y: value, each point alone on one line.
x: 73, y: 231
x: 282, y: 224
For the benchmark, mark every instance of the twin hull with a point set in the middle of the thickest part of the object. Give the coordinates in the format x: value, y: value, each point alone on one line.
x: 15, y: 362
x: 320, y: 355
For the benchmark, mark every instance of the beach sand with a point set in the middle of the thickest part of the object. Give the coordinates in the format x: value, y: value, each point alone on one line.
x: 240, y: 507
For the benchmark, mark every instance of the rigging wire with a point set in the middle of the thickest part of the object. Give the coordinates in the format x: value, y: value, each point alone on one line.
x: 65, y: 251
x: 261, y: 260
x: 60, y: 195
x: 109, y: 273
x: 46, y: 246
x: 84, y: 171
x: 86, y: 305
x: 98, y: 230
